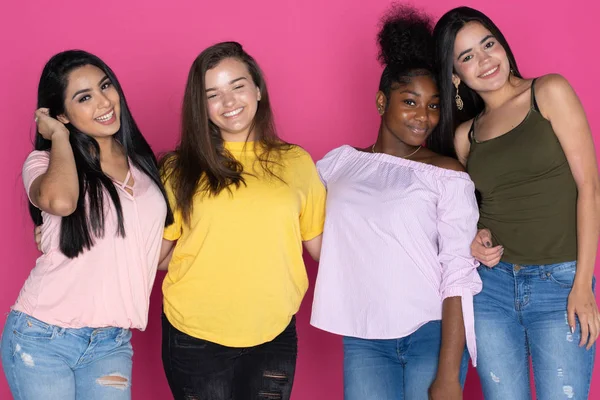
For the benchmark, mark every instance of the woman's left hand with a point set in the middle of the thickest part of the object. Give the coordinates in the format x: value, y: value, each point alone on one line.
x: 445, y: 390
x: 582, y: 303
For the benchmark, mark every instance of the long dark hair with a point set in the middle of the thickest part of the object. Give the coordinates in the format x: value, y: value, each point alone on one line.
x: 444, y: 33
x: 75, y: 233
x: 201, y: 163
x: 406, y: 48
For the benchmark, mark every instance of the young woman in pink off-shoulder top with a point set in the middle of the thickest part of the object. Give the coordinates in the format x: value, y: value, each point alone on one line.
x: 396, y: 275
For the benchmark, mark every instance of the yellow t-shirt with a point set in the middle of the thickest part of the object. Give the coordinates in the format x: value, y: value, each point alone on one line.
x: 237, y: 275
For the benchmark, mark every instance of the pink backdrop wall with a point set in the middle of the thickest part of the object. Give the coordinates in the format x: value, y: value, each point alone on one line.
x: 319, y: 58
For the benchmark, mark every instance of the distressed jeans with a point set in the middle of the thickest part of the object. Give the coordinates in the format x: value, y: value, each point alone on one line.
x: 522, y: 312
x: 197, y: 369
x: 43, y: 361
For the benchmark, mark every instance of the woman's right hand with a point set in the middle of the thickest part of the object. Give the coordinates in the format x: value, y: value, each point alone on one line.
x: 48, y: 126
x: 482, y: 250
x: 37, y: 234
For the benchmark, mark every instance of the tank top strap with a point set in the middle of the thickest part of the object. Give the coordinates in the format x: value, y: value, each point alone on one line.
x: 533, y: 101
x: 472, y: 130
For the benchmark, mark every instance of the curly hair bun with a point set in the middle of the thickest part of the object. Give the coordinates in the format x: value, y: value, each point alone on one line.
x: 405, y: 37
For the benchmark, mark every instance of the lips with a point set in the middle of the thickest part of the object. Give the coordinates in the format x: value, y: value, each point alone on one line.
x: 490, y: 72
x: 419, y: 130
x: 233, y: 113
x: 107, y: 118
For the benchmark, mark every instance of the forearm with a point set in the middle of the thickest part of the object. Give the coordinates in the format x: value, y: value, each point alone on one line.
x: 166, y: 253
x: 453, y: 339
x: 588, y: 229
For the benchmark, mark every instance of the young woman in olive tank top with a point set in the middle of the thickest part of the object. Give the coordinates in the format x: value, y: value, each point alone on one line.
x: 528, y: 147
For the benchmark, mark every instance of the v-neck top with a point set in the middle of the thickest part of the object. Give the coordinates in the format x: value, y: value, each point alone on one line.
x: 109, y: 284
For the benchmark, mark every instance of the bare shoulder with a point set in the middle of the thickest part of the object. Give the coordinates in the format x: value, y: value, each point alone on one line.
x: 462, y: 131
x: 462, y: 143
x: 553, y: 94
x: 447, y: 163
x: 548, y: 86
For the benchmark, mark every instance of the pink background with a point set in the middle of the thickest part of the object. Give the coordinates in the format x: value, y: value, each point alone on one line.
x: 319, y: 59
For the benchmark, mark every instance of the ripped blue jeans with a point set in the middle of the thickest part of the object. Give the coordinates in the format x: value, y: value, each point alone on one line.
x: 522, y: 312
x: 43, y: 361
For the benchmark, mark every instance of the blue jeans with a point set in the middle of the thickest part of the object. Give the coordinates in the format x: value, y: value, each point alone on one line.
x: 48, y: 362
x: 394, y: 369
x: 522, y: 311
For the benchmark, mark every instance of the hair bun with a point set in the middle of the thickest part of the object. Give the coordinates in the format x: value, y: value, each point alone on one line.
x: 405, y: 37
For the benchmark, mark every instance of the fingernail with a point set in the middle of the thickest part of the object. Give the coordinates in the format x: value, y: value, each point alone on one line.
x: 488, y: 244
x: 572, y: 329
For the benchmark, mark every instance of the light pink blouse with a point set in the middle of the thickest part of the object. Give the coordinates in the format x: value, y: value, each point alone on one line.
x: 110, y: 284
x: 396, y: 244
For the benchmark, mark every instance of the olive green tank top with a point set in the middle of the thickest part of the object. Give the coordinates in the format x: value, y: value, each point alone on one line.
x: 528, y: 194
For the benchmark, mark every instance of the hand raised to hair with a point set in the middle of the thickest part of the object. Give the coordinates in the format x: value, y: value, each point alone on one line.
x: 48, y: 126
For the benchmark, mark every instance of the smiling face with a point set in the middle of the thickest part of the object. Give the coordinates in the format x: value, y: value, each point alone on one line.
x: 479, y: 59
x: 232, y: 99
x: 413, y: 110
x: 92, y: 103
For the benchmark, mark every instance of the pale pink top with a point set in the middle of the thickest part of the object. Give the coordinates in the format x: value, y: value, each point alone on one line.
x: 396, y: 244
x: 110, y: 284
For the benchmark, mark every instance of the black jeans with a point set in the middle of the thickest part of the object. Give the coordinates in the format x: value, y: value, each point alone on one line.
x: 201, y: 370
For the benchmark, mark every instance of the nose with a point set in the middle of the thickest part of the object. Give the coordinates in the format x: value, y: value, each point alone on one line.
x: 103, y: 101
x: 484, y: 57
x: 421, y: 114
x: 228, y: 100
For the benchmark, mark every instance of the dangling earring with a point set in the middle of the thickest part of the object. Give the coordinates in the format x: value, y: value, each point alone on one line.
x: 457, y: 98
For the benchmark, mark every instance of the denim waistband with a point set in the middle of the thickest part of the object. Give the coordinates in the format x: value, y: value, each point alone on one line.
x: 85, y: 332
x: 533, y: 270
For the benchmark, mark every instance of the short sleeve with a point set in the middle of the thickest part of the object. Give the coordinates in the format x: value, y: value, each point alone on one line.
x: 312, y: 215
x: 35, y: 166
x: 173, y: 231
x: 457, y: 226
x: 329, y: 164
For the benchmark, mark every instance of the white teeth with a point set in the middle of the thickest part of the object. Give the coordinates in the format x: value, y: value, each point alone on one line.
x: 106, y: 117
x: 489, y: 72
x: 234, y: 112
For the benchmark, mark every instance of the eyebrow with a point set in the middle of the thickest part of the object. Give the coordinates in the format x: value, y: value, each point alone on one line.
x: 469, y: 50
x: 88, y: 90
x: 411, y: 92
x: 231, y: 83
x: 417, y: 94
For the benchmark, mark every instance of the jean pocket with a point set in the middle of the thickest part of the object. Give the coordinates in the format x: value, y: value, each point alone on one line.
x: 29, y: 328
x: 123, y: 337
x: 563, y: 274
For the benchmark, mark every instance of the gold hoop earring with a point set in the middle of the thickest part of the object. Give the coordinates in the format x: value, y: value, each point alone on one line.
x: 457, y: 98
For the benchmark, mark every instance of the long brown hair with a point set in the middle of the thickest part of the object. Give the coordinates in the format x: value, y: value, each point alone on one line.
x: 201, y: 164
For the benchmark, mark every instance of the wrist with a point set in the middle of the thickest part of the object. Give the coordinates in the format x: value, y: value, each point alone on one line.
x: 60, y: 133
x: 447, y: 375
x: 582, y: 282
